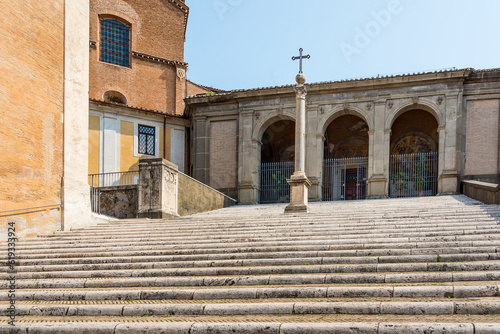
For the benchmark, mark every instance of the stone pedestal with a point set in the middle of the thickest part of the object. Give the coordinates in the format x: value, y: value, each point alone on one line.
x: 158, y: 189
x: 299, y: 184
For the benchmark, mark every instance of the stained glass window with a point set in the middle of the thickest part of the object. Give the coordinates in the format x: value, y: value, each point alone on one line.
x: 115, y: 42
x: 146, y: 140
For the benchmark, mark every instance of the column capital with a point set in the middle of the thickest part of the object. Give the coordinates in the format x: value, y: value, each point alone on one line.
x: 300, y: 91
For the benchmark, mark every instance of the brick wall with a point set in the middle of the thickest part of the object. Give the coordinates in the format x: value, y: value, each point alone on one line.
x: 194, y: 89
x: 31, y: 127
x: 482, y: 137
x: 157, y: 29
x: 223, y: 156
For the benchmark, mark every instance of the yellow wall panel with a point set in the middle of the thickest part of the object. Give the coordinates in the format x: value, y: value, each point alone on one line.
x: 127, y: 160
x: 94, y: 134
x: 165, y: 142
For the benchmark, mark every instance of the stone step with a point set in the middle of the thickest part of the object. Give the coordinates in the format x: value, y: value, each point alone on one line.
x: 284, y: 231
x: 169, y: 263
x: 422, y: 260
x: 367, y: 214
x: 474, y: 235
x: 159, y: 309
x: 356, y: 256
x: 211, y: 326
x: 343, y: 249
x: 263, y: 270
x: 264, y: 280
x: 401, y: 292
x: 279, y: 221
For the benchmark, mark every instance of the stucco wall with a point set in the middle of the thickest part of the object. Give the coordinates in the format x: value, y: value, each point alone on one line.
x: 196, y: 197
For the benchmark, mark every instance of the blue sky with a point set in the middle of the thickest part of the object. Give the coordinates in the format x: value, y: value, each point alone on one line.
x: 239, y: 44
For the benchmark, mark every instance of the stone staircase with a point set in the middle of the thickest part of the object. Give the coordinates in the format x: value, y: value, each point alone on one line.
x: 419, y: 265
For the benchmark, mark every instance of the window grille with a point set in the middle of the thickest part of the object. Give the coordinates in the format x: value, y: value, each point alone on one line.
x: 146, y: 140
x: 115, y: 42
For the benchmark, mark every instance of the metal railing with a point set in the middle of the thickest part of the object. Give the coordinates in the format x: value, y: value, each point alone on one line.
x: 273, y: 186
x: 413, y: 175
x: 114, y: 179
x: 344, y: 179
x: 95, y: 200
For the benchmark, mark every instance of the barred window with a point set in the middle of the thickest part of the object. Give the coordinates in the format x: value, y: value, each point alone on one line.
x: 115, y: 42
x: 146, y: 140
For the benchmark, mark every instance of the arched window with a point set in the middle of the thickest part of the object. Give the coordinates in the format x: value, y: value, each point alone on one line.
x: 115, y: 97
x: 115, y: 42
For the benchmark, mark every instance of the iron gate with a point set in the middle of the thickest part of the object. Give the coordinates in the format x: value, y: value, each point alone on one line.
x: 413, y: 175
x: 273, y: 185
x: 344, y: 179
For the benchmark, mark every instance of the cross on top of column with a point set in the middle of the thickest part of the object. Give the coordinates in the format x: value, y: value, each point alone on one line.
x: 300, y: 59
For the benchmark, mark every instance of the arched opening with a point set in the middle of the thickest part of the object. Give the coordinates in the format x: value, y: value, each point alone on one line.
x: 115, y: 97
x: 345, y: 161
x: 277, y: 157
x: 414, y: 155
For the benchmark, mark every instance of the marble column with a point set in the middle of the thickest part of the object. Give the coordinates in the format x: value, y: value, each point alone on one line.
x: 299, y: 183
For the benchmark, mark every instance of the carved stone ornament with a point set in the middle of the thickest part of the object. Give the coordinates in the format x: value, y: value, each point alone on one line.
x: 181, y: 73
x: 390, y: 104
x: 415, y: 100
x: 257, y: 115
x: 300, y: 91
x: 322, y: 110
x: 369, y: 106
x: 440, y: 100
x: 345, y: 105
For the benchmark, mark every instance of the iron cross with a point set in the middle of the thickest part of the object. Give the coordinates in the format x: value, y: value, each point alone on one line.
x: 300, y: 59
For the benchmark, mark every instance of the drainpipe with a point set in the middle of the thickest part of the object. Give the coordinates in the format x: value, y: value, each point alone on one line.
x: 164, y: 136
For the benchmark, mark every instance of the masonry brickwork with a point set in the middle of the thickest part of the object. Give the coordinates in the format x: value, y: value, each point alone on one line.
x: 223, y: 156
x: 41, y: 101
x: 157, y: 52
x: 482, y: 137
x: 31, y: 124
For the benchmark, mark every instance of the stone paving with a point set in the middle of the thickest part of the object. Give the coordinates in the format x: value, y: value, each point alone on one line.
x: 419, y: 265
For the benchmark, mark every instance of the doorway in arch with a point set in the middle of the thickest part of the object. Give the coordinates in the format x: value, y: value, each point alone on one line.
x: 345, y: 162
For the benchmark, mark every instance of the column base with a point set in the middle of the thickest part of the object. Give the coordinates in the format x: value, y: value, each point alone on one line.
x: 296, y: 209
x: 448, y: 183
x: 299, y: 184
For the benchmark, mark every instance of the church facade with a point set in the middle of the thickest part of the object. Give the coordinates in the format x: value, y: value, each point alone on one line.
x: 395, y: 136
x: 137, y: 84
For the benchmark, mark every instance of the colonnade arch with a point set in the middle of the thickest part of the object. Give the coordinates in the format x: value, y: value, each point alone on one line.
x: 345, y: 157
x: 343, y: 132
x: 414, y: 147
x: 276, y: 159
